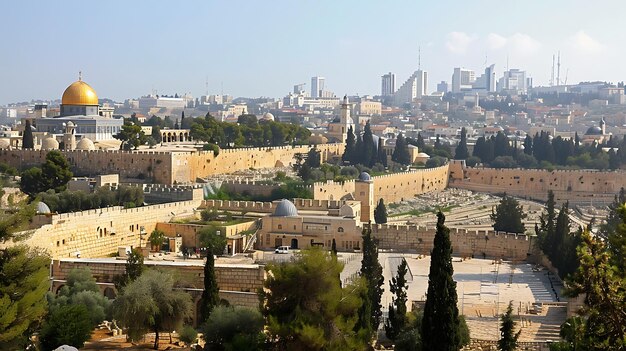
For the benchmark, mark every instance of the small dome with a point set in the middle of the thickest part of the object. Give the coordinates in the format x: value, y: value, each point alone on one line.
x: 4, y: 144
x: 285, y: 208
x: 42, y: 208
x: 70, y: 124
x: 365, y: 177
x: 85, y: 144
x: 346, y: 211
x: 49, y: 143
x: 595, y: 130
x: 268, y: 116
x: 79, y: 93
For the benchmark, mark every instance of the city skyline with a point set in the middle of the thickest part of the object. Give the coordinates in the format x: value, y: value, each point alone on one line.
x: 128, y: 50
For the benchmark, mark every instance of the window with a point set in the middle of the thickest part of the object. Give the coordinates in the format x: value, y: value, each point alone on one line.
x: 340, y: 230
x: 280, y: 226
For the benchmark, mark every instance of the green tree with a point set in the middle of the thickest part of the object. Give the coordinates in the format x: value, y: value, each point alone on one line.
x: 528, y: 145
x: 380, y: 212
x: 461, y: 152
x: 156, y: 134
x: 397, y: 309
x: 370, y: 314
x: 81, y: 289
x: 305, y: 308
x: 210, y: 294
x: 156, y: 238
x: 234, y: 328
x: 604, y: 289
x: 382, y: 155
x: 313, y: 159
x: 133, y: 269
x: 67, y: 325
x: 350, y: 150
x: 23, y: 281
x: 441, y: 322
x: 333, y: 247
x: 508, y: 216
x: 131, y: 136
x: 401, y: 151
x: 56, y: 171
x: 508, y: 336
x: 188, y: 334
x: 27, y: 136
x: 410, y: 338
x: 32, y: 182
x: 369, y: 150
x: 211, y: 240
x: 152, y: 303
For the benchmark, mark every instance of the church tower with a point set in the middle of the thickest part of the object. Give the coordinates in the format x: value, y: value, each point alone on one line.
x: 603, y: 126
x: 69, y: 137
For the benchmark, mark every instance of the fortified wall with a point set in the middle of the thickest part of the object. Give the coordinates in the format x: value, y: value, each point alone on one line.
x: 391, y: 188
x: 168, y: 167
x: 268, y: 207
x: 576, y: 186
x: 99, y: 232
x: 465, y: 243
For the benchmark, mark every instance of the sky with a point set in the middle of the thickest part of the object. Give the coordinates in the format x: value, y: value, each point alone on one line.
x: 253, y: 48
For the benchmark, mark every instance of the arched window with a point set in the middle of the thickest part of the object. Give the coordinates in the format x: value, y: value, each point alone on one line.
x: 280, y: 226
x: 340, y: 229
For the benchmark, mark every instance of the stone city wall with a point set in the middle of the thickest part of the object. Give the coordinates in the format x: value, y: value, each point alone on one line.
x: 465, y: 243
x: 391, y: 188
x: 250, y: 187
x: 237, y: 283
x: 576, y: 186
x: 188, y: 166
x: 268, y: 207
x: 168, y: 167
x: 188, y: 232
x: 99, y: 232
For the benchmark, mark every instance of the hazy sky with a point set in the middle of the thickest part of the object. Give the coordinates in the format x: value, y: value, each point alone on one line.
x: 262, y: 48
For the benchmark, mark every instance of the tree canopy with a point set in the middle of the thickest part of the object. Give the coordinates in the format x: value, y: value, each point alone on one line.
x: 380, y: 212
x: 54, y: 174
x: 508, y: 216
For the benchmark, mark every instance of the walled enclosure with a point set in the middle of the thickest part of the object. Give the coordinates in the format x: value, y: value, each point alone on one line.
x: 169, y: 167
x: 577, y: 186
x: 98, y: 233
x: 238, y: 283
x: 391, y: 188
x: 465, y: 243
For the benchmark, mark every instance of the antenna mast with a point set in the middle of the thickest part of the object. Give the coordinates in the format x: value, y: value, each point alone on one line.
x: 558, y: 70
x: 419, y: 58
x: 552, y: 76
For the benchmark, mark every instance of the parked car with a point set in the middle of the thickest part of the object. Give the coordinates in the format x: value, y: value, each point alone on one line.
x: 282, y: 250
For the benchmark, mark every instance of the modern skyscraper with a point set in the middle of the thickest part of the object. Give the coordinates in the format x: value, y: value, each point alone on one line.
x: 421, y: 81
x: 514, y: 81
x: 442, y: 87
x: 317, y: 86
x: 462, y: 80
x: 388, y: 84
x: 487, y: 81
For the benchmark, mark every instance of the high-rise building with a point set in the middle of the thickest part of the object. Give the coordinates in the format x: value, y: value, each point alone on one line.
x: 487, y: 81
x: 462, y: 80
x: 415, y: 87
x: 388, y: 84
x: 442, y: 87
x: 421, y: 81
x: 317, y: 86
x: 514, y: 81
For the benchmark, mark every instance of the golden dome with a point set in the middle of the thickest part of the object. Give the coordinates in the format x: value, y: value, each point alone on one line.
x: 79, y: 93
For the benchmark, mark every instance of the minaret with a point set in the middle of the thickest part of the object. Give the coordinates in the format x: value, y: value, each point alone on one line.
x: 603, y: 126
x: 69, y: 138
x: 345, y: 112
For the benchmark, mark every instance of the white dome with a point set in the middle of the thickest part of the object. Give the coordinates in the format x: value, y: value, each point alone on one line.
x: 285, y: 208
x: 85, y: 144
x: 42, y: 208
x: 268, y: 116
x: 49, y: 143
x: 4, y: 144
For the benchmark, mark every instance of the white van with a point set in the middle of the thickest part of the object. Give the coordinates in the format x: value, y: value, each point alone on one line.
x: 282, y: 250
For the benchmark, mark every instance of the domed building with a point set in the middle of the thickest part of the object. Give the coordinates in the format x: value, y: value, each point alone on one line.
x: 596, y: 134
x: 267, y: 116
x: 85, y: 144
x: 79, y: 105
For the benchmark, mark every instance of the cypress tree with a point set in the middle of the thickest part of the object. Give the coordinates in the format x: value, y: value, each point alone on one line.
x: 461, y: 152
x: 508, y: 337
x: 333, y: 247
x: 401, y: 151
x: 182, y: 119
x: 420, y: 142
x: 349, y: 152
x: 380, y: 212
x: 441, y: 321
x: 397, y: 309
x: 369, y: 148
x: 382, y: 155
x: 210, y: 294
x: 508, y: 216
x: 358, y: 156
x: 528, y: 145
x: 27, y: 137
x: 372, y: 271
